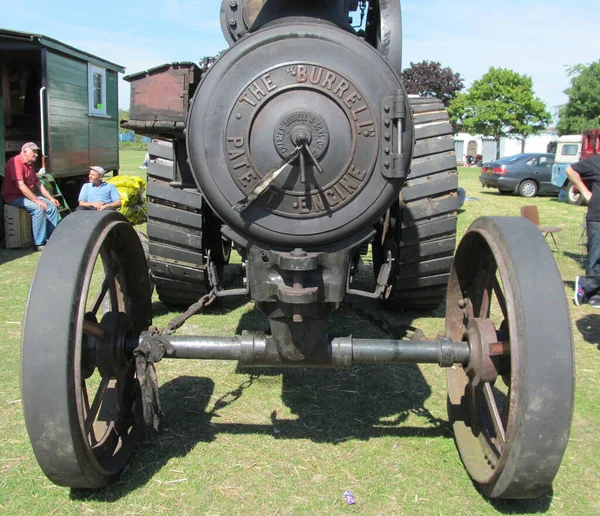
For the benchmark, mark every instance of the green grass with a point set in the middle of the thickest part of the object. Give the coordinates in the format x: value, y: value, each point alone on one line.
x: 273, y: 442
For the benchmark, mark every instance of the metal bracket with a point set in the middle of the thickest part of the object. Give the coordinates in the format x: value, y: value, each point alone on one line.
x: 382, y: 281
x: 393, y: 114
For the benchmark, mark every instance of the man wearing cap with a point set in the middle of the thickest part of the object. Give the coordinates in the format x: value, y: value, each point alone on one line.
x: 98, y: 195
x: 23, y: 189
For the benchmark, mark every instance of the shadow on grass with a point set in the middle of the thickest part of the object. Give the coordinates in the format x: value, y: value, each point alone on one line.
x: 8, y: 255
x: 589, y: 328
x: 331, y: 407
x: 534, y: 506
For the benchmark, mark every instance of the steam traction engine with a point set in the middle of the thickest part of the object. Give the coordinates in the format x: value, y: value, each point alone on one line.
x: 300, y: 146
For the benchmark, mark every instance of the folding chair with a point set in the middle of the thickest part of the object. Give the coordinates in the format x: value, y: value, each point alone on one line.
x: 531, y: 213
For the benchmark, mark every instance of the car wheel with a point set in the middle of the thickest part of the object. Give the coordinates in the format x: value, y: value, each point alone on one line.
x: 573, y: 195
x: 528, y: 188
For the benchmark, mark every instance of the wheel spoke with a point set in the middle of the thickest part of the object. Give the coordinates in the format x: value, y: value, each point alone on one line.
x: 93, y: 412
x: 93, y: 329
x: 110, y: 278
x: 100, y: 297
x: 486, y: 286
x: 500, y: 297
x: 498, y: 437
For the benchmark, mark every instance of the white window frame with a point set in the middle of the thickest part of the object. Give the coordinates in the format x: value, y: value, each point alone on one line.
x: 94, y: 109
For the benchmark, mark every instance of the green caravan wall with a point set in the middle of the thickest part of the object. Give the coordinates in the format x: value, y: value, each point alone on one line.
x: 67, y: 97
x: 78, y: 140
x: 104, y: 132
x: 67, y: 128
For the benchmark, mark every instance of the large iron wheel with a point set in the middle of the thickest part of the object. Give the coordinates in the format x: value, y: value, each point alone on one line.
x: 88, y: 303
x: 511, y: 406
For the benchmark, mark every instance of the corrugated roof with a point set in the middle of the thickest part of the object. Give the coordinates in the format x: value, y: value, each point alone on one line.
x: 54, y: 44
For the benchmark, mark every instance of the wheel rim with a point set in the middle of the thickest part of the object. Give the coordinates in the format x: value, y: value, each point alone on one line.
x: 528, y: 189
x: 80, y: 404
x: 574, y: 194
x: 507, y: 412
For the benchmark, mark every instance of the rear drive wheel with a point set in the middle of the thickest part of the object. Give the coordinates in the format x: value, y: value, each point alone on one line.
x: 182, y: 229
x: 422, y: 226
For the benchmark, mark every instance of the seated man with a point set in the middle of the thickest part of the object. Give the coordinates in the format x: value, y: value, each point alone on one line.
x: 23, y: 189
x: 98, y: 195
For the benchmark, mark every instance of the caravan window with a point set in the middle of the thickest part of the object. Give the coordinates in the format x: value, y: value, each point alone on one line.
x: 97, y: 90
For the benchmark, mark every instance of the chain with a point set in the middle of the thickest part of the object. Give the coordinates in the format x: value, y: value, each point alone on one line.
x: 204, y: 301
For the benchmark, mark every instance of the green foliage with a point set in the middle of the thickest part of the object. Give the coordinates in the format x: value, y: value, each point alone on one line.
x: 501, y: 104
x: 123, y: 115
x: 582, y: 111
x: 138, y: 146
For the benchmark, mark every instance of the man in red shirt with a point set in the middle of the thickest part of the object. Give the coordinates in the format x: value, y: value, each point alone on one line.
x: 23, y: 189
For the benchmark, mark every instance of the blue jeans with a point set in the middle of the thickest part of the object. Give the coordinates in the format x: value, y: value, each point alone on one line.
x: 43, y: 222
x: 591, y: 281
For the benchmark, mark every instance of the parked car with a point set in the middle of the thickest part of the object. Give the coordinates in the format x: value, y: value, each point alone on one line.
x: 527, y: 174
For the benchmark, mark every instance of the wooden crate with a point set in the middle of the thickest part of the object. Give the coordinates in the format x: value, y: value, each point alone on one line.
x: 17, y: 227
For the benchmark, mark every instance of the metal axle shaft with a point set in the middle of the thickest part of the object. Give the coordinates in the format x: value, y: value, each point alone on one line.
x: 343, y: 352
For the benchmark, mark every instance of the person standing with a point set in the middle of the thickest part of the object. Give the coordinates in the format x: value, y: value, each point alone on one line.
x: 587, y: 288
x: 98, y: 195
x: 23, y: 189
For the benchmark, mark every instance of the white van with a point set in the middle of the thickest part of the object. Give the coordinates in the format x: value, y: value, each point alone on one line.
x: 568, y: 150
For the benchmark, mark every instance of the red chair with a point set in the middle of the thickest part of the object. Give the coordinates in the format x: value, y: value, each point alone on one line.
x: 531, y: 213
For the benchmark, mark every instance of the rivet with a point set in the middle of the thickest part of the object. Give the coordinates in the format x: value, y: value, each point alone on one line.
x: 366, y: 133
x: 238, y: 116
x: 387, y: 121
x: 387, y: 136
x: 232, y: 22
x: 295, y: 205
x: 386, y: 164
x: 386, y: 109
x: 232, y: 4
x: 387, y: 150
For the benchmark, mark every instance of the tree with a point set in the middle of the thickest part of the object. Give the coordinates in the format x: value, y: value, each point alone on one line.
x: 429, y: 79
x: 501, y: 104
x: 582, y: 111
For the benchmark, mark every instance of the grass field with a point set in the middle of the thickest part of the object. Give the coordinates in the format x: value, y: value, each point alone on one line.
x: 272, y: 442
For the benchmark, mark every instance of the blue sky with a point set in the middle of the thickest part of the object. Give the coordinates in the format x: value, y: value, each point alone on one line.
x: 533, y: 37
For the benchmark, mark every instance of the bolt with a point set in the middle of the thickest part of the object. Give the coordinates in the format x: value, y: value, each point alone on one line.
x: 387, y: 136
x: 302, y: 138
x: 387, y: 150
x: 386, y: 121
x: 232, y: 4
x: 295, y: 205
x: 232, y: 22
x: 386, y: 109
x: 386, y: 164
